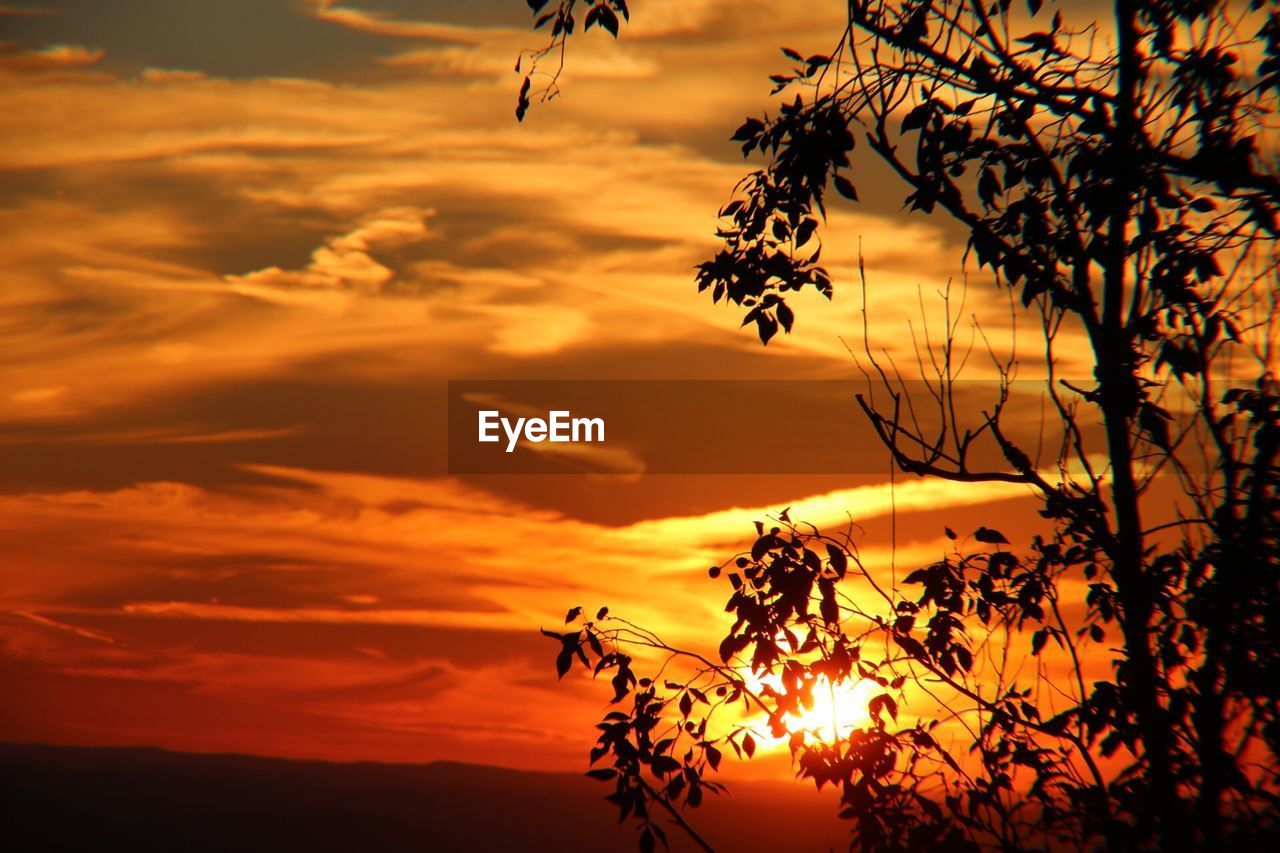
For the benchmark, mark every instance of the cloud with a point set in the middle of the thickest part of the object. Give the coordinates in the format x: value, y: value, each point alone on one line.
x: 162, y: 119
x: 194, y: 434
x: 23, y: 11
x: 382, y: 24
x: 296, y: 597
x: 172, y: 75
x: 326, y: 616
x: 346, y: 261
x: 58, y: 57
x: 482, y: 538
x: 595, y: 62
x: 62, y: 626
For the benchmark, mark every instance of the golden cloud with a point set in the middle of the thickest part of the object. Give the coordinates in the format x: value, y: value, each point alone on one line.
x: 57, y: 57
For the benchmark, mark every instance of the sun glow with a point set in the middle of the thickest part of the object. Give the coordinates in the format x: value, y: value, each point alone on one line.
x: 837, y: 708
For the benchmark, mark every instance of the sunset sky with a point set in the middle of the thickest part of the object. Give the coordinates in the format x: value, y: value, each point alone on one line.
x: 246, y: 244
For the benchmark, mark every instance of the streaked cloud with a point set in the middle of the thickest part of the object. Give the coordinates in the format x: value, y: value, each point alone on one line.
x: 383, y: 24
x: 57, y: 57
x: 139, y: 593
x: 28, y: 11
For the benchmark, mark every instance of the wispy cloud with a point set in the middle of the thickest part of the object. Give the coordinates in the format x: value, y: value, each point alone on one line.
x: 58, y: 57
x: 23, y: 11
x: 383, y: 24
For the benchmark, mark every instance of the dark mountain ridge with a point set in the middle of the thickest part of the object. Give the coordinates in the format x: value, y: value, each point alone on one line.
x: 116, y: 798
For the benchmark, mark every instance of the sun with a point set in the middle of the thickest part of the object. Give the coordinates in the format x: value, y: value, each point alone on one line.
x: 837, y: 708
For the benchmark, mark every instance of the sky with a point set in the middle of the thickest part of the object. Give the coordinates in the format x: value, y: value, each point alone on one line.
x: 247, y: 244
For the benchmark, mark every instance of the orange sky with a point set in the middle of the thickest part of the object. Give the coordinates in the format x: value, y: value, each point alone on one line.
x: 246, y: 244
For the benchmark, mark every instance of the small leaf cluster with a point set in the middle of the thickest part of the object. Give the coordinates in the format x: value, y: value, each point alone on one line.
x: 602, y: 13
x: 770, y: 243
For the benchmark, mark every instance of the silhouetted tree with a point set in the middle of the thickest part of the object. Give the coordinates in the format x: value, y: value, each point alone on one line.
x: 1119, y: 178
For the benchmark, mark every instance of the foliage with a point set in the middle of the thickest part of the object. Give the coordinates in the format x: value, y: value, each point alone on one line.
x: 602, y: 13
x: 1117, y: 178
